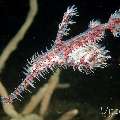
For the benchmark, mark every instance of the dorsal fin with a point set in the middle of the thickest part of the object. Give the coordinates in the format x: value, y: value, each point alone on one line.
x: 94, y: 23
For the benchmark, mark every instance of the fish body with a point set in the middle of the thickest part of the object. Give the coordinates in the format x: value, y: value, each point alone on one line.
x: 82, y: 52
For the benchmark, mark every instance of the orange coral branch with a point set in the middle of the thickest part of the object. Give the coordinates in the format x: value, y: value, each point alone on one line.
x: 52, y: 84
x: 69, y: 115
x: 35, y: 100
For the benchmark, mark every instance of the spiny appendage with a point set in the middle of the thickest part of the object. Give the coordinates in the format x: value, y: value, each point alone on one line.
x: 66, y: 21
x: 93, y: 23
x: 30, y: 64
x: 17, y: 92
x: 114, y: 23
x: 88, y: 57
x: 94, y: 33
x: 37, y: 67
x: 28, y: 81
x: 115, y: 15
